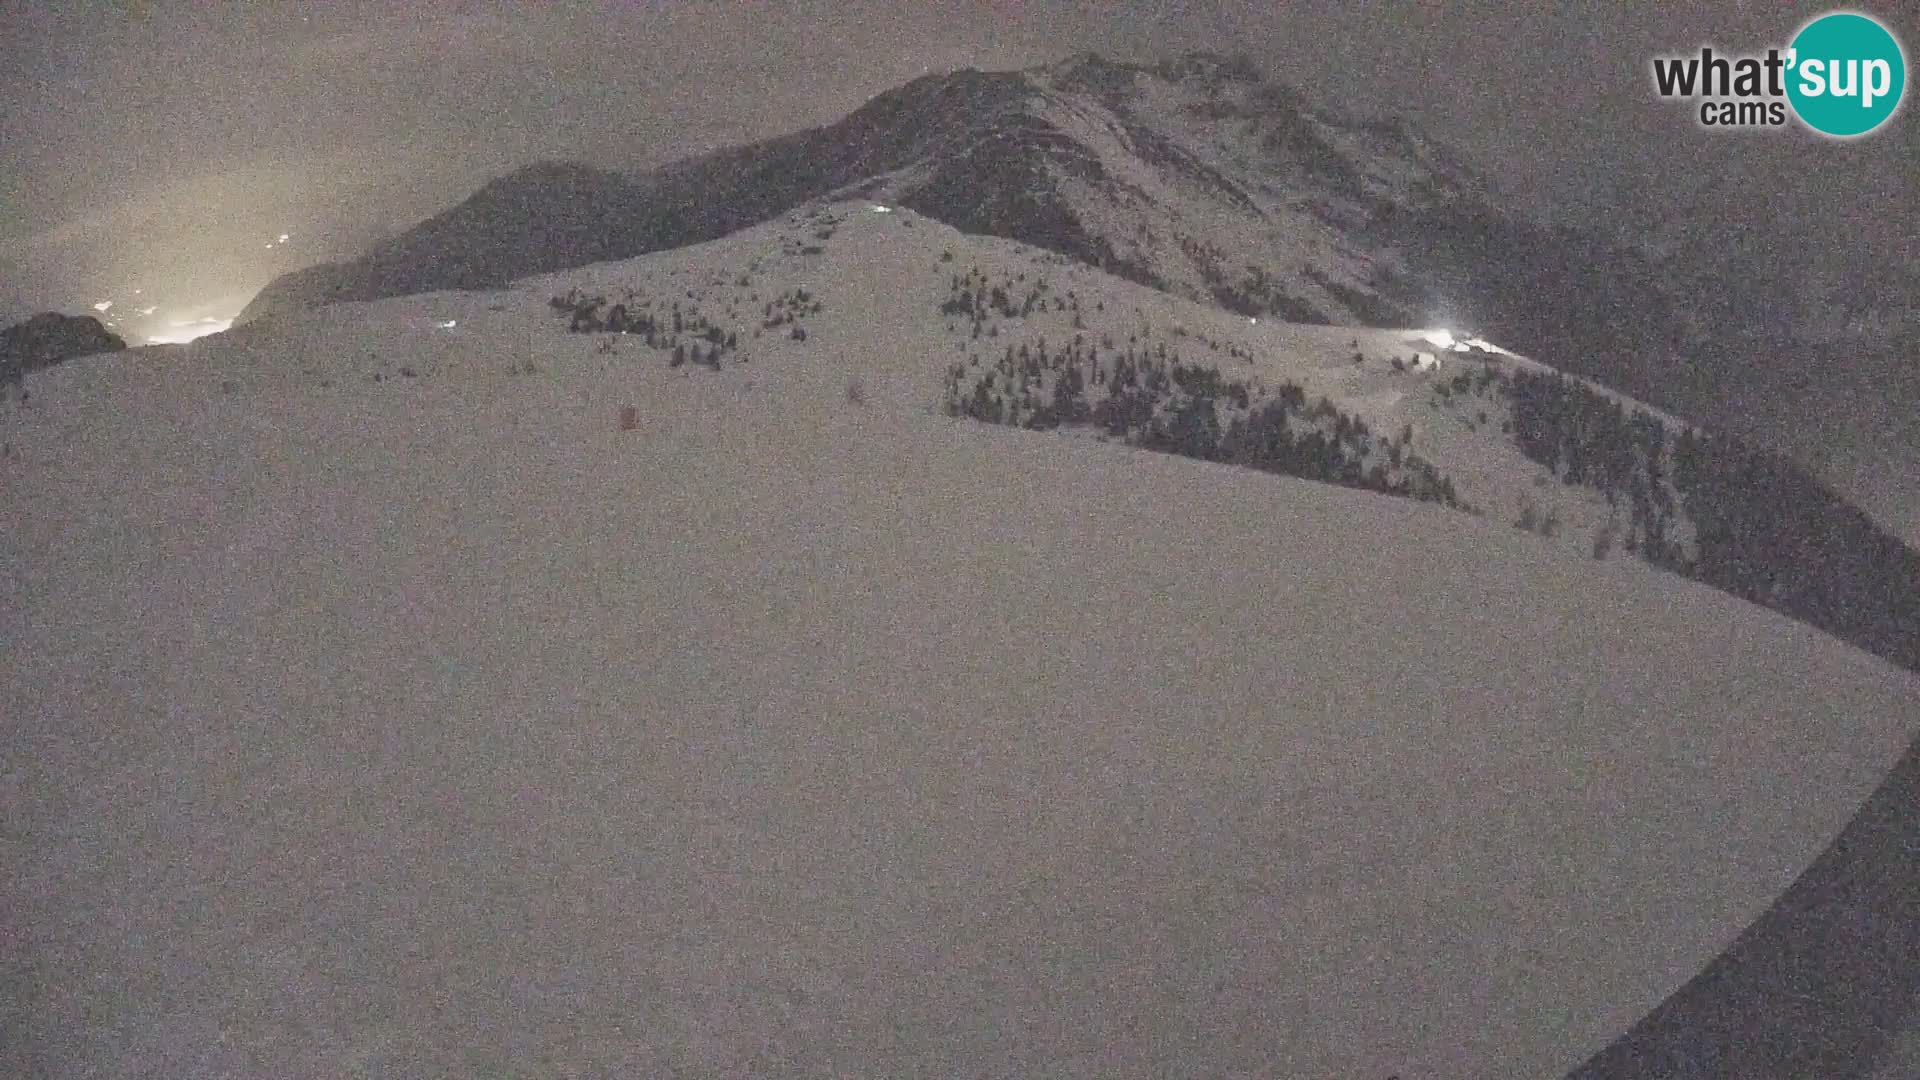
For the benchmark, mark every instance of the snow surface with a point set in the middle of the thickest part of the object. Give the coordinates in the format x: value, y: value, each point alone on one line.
x: 434, y: 726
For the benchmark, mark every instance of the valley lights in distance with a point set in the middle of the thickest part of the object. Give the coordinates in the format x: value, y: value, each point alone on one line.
x: 176, y: 322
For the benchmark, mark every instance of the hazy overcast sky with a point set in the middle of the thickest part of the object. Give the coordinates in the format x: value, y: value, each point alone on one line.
x: 165, y: 146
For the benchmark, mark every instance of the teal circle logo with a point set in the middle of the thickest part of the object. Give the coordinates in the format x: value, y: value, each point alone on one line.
x: 1847, y: 75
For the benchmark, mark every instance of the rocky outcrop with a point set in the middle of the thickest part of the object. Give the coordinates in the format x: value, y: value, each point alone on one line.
x: 50, y: 338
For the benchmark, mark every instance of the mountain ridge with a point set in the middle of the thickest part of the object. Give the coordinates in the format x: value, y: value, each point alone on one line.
x: 1195, y: 174
x: 984, y: 151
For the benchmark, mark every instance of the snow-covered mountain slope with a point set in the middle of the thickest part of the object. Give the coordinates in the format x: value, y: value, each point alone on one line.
x: 1484, y: 429
x: 381, y: 707
x: 1197, y: 176
x: 889, y: 284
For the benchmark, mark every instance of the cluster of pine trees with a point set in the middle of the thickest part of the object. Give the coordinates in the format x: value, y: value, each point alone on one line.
x: 1769, y: 532
x: 789, y: 308
x: 1158, y: 402
x: 1029, y: 386
x: 1334, y: 447
x: 688, y: 337
x: 1587, y: 439
x: 974, y: 297
x: 1764, y: 529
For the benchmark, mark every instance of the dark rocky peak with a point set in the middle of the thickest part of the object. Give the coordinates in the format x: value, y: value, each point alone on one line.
x: 1094, y: 75
x: 965, y: 94
x: 1211, y: 69
x: 1200, y: 76
x: 929, y: 115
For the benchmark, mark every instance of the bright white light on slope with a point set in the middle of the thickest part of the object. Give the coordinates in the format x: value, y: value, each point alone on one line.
x: 1444, y: 339
x: 878, y: 209
x: 449, y: 324
x: 103, y: 305
x: 284, y: 238
x: 179, y: 333
x: 148, y: 310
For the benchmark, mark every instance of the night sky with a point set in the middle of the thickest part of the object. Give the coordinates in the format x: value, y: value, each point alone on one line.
x: 166, y: 146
